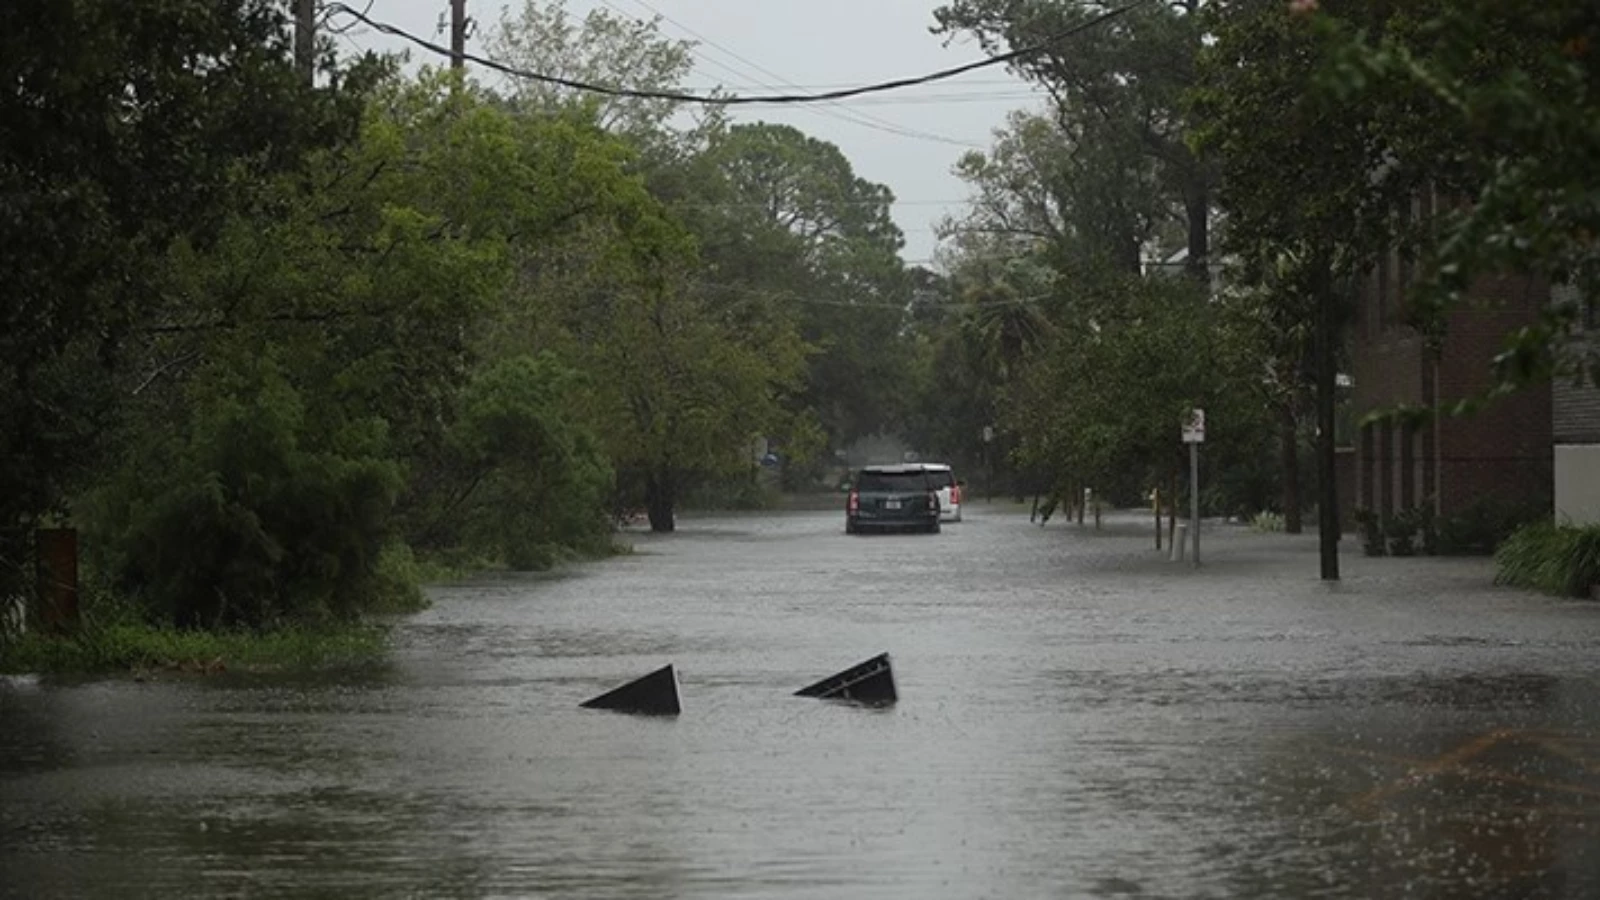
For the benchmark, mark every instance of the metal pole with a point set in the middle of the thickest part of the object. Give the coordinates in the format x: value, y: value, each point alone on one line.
x: 1194, y: 498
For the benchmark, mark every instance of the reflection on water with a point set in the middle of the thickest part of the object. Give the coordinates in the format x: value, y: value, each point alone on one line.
x: 1135, y: 731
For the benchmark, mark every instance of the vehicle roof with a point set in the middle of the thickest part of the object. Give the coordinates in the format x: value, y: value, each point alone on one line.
x: 903, y: 468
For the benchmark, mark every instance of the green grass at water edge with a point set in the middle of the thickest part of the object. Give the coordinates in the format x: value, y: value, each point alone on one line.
x: 125, y: 647
x: 1557, y: 559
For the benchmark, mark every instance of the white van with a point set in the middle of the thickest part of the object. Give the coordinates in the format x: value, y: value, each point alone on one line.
x: 943, y: 478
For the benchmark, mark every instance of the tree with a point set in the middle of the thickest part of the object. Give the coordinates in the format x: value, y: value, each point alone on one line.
x: 1119, y: 90
x: 1080, y: 196
x: 604, y: 48
x: 324, y: 363
x: 795, y: 222
x: 1302, y: 181
x: 1495, y: 103
x: 131, y: 126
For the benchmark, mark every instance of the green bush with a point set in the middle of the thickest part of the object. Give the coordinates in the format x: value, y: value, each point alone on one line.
x: 1483, y: 525
x: 1557, y: 559
x: 1401, y: 530
x: 517, y: 480
x: 1372, y: 536
x: 1267, y: 521
x: 258, y: 508
x: 125, y: 647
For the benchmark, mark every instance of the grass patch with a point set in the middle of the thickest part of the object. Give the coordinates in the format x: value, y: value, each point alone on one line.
x: 140, y: 648
x: 1557, y: 559
x: 1267, y: 522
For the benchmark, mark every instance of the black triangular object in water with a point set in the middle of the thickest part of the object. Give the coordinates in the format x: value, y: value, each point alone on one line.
x: 869, y: 682
x: 655, y: 694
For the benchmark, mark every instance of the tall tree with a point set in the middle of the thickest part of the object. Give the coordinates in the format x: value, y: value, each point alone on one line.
x: 1119, y: 88
x: 130, y: 126
x: 795, y: 221
x: 1497, y: 104
x: 1304, y: 179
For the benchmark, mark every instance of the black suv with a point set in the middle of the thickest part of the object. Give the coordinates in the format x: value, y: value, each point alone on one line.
x: 897, y: 497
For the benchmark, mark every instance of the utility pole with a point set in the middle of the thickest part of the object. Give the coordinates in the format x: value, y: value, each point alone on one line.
x: 458, y: 33
x: 305, y: 39
x: 1327, y: 323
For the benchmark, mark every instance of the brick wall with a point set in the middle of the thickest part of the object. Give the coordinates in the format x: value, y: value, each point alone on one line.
x: 1503, y: 451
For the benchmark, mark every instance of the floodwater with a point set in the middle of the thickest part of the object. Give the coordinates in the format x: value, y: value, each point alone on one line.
x: 1078, y: 718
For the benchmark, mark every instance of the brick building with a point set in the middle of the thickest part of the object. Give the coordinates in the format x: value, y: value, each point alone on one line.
x: 1502, y: 454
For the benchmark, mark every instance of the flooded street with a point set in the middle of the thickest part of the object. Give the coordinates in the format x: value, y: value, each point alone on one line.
x: 1077, y: 717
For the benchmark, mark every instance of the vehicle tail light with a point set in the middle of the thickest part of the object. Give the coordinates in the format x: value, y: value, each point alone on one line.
x: 854, y: 503
x: 955, y: 494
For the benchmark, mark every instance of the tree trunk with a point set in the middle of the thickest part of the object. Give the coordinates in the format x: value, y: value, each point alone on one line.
x: 1289, y: 435
x: 1327, y: 489
x: 1155, y: 502
x: 660, y: 493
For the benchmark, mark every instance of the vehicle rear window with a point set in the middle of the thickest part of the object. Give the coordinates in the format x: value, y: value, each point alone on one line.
x: 941, y: 478
x: 891, y: 482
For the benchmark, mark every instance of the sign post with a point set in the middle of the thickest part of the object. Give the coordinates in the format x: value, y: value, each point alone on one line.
x: 988, y: 464
x: 1194, y: 434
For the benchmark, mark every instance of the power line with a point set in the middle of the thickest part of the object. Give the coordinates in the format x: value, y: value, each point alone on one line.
x: 760, y: 205
x: 865, y: 119
x: 790, y: 296
x: 712, y: 100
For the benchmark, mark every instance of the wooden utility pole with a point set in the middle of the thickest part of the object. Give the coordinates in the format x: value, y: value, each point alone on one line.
x: 305, y: 39
x: 458, y: 33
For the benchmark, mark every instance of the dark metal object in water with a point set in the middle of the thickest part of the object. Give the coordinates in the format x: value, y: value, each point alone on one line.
x: 871, y: 682
x: 655, y: 694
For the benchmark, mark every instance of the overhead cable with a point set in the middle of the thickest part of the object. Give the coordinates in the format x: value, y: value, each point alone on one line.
x: 833, y: 109
x: 734, y: 100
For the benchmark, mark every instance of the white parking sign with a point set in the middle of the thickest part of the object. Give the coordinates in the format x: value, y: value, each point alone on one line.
x: 1194, y: 428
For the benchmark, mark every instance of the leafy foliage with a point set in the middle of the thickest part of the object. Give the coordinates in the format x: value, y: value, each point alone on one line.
x: 129, y: 127
x: 1498, y: 103
x: 1557, y: 559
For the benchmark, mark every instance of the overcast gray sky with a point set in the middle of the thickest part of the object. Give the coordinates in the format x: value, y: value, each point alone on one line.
x: 816, y: 44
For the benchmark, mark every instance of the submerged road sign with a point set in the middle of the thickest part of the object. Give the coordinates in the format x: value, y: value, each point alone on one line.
x: 870, y: 682
x: 655, y: 694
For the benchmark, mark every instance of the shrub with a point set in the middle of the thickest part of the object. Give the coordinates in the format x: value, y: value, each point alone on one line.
x: 125, y: 647
x: 517, y: 480
x: 1484, y: 524
x: 1401, y: 529
x: 256, y: 509
x: 1371, y: 525
x: 1428, y: 527
x: 1267, y: 521
x: 1557, y: 559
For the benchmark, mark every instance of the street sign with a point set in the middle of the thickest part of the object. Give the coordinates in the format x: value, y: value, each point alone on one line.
x: 1194, y: 428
